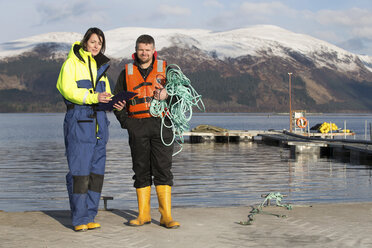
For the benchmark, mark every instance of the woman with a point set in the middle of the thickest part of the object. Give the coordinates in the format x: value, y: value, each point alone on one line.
x: 83, y: 84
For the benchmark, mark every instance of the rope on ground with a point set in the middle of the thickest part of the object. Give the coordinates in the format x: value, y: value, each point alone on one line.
x: 258, y: 210
x: 178, y: 110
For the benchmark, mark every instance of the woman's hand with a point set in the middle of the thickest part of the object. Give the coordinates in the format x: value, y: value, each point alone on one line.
x: 104, y: 97
x: 119, y: 105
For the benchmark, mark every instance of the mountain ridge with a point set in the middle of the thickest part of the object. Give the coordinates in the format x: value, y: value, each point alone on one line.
x: 247, y: 63
x: 120, y: 41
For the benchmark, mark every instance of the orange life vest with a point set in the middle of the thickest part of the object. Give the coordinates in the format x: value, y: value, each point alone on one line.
x: 139, y: 105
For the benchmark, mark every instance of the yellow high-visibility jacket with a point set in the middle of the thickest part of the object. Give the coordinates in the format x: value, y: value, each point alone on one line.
x: 81, y: 78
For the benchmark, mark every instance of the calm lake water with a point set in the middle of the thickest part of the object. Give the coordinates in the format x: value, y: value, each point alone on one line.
x: 33, y: 166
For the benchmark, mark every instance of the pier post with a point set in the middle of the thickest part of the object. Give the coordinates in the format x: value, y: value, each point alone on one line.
x: 365, y: 130
x: 105, y: 199
x: 344, y: 129
x: 290, y: 103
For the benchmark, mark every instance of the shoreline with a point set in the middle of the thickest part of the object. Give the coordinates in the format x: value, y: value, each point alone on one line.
x: 284, y: 201
x: 226, y: 113
x: 313, y: 225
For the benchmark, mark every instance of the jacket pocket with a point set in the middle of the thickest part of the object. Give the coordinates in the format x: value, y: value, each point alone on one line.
x: 85, y: 131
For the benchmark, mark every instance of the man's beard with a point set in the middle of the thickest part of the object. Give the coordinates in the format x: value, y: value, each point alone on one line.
x: 144, y: 62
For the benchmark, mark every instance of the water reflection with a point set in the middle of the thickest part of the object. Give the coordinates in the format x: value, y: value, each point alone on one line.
x: 207, y: 174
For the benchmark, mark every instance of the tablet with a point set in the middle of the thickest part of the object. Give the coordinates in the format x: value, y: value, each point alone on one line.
x: 125, y: 95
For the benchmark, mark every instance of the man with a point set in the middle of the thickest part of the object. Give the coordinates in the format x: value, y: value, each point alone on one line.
x: 152, y: 160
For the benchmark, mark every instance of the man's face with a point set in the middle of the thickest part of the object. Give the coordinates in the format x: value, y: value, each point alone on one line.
x: 145, y: 52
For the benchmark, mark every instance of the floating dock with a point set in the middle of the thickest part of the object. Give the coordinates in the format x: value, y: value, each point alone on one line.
x: 353, y: 151
x: 249, y: 135
x: 329, y: 144
x: 228, y: 136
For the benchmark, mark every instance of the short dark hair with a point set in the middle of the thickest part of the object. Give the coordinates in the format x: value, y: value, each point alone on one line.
x: 89, y: 33
x: 146, y: 39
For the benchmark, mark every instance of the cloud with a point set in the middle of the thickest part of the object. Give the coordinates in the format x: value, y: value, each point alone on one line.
x: 168, y: 10
x: 332, y: 25
x: 269, y: 9
x: 353, y: 44
x: 355, y: 21
x: 363, y: 32
x: 213, y: 4
x: 64, y: 11
x: 350, y: 17
x: 160, y: 16
x: 326, y: 35
x: 252, y: 13
x: 357, y: 45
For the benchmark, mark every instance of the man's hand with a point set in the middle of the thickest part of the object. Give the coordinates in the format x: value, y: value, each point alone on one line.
x: 104, y: 97
x: 160, y: 93
x: 119, y: 105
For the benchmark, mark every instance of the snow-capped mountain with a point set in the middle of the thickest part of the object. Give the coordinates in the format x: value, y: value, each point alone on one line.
x: 257, y: 41
x: 367, y: 61
x: 251, y: 65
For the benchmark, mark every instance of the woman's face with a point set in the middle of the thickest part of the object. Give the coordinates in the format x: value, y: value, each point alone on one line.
x: 94, y: 44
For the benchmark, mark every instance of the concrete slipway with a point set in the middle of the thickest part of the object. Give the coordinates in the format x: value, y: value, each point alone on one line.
x: 320, y: 225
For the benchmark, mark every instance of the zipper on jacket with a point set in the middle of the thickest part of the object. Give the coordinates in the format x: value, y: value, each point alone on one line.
x: 91, y: 74
x: 94, y: 89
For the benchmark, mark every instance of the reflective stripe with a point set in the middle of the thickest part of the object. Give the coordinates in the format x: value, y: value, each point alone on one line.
x: 85, y: 96
x: 160, y: 65
x: 130, y: 69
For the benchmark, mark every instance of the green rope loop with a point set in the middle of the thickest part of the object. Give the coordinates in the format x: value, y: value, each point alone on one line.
x: 278, y: 198
x: 183, y: 97
x: 258, y: 210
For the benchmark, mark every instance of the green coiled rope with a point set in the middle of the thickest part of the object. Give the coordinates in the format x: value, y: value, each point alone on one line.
x: 183, y: 97
x: 258, y: 210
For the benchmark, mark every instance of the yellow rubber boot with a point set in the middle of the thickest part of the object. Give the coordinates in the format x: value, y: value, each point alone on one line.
x: 144, y: 207
x: 81, y: 228
x: 164, y: 197
x: 93, y: 225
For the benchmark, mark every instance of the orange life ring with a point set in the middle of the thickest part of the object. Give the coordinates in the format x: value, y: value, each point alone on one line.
x: 301, y: 122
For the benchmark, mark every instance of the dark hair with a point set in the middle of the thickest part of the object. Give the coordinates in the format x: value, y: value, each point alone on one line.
x: 87, y: 36
x: 146, y: 39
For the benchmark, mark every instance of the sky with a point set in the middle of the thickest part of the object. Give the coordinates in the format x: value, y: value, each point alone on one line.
x: 345, y: 23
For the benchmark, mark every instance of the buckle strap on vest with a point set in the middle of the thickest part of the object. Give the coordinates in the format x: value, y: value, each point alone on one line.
x: 137, y: 100
x: 142, y: 84
x: 139, y: 112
